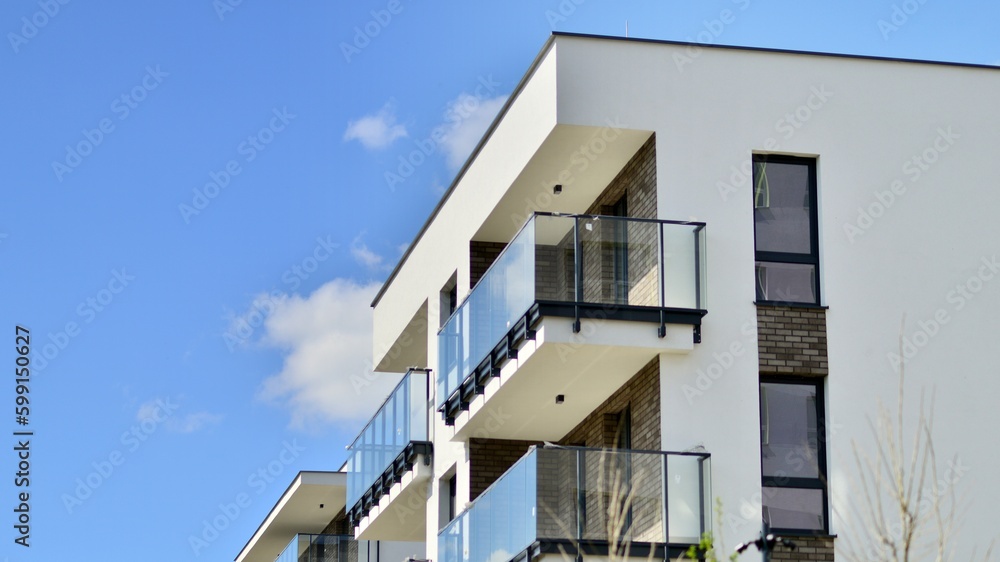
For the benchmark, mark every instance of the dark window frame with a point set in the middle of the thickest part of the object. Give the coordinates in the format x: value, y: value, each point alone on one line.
x: 790, y: 257
x: 798, y: 483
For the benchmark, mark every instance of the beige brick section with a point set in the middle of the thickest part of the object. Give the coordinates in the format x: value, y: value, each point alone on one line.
x: 636, y: 181
x: 481, y: 257
x: 791, y: 340
x: 642, y: 394
x: 490, y: 458
x: 338, y: 525
x: 807, y: 549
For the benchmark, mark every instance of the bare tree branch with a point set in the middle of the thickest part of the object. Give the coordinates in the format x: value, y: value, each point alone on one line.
x: 895, y: 514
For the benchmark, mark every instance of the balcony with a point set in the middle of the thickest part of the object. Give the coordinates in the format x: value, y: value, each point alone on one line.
x: 320, y: 548
x: 588, y: 285
x: 586, y: 501
x: 390, y: 455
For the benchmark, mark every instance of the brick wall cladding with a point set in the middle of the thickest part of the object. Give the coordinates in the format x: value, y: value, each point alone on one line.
x: 345, y: 551
x: 557, y: 485
x: 481, y: 257
x: 807, y: 549
x: 636, y: 182
x: 642, y: 394
x: 791, y: 341
x: 338, y: 525
x: 557, y: 493
x: 490, y: 458
x: 551, y: 280
x: 600, y: 429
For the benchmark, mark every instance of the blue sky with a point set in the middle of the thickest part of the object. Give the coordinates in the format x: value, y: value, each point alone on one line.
x: 197, y: 203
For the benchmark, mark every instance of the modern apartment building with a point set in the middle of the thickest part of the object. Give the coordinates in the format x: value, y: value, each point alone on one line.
x: 672, y: 275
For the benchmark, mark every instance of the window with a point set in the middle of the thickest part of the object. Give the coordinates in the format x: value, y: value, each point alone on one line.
x: 449, y: 298
x: 623, y: 429
x: 619, y: 256
x: 793, y: 455
x: 448, y: 497
x: 452, y: 497
x: 785, y: 230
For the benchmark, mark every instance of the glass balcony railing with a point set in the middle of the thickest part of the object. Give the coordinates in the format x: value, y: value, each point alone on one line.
x: 576, y: 495
x: 574, y: 260
x: 400, y: 421
x: 320, y: 548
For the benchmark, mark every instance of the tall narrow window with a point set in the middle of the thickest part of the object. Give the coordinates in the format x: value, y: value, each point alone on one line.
x: 448, y: 497
x: 620, y: 286
x: 624, y: 442
x: 452, y: 497
x: 449, y: 298
x: 793, y: 455
x: 785, y: 231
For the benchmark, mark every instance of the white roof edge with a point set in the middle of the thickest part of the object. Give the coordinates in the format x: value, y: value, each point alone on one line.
x: 305, y: 477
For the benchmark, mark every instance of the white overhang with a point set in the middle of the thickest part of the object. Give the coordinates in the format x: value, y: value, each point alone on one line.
x: 297, y: 511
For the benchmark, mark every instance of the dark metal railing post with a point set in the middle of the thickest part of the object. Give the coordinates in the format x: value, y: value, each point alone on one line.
x: 662, y: 331
x: 663, y: 281
x: 459, y: 354
x: 666, y: 498
x: 701, y: 495
x: 578, y: 273
x: 581, y: 495
x: 697, y: 266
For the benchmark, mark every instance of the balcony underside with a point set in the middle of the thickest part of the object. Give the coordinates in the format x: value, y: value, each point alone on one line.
x: 602, y: 151
x: 297, y: 511
x: 516, y: 399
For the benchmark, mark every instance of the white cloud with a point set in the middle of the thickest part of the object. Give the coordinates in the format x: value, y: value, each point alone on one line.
x: 150, y: 411
x: 377, y: 130
x: 326, y: 376
x: 467, y: 118
x: 243, y: 326
x: 164, y: 411
x: 193, y: 422
x: 364, y: 256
